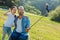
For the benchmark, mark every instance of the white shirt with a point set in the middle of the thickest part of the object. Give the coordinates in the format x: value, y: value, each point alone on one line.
x: 19, y: 25
x: 10, y: 20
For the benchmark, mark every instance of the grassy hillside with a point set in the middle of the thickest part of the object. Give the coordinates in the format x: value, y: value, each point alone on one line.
x: 45, y: 29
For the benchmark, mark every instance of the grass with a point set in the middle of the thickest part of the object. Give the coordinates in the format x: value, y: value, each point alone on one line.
x: 45, y: 29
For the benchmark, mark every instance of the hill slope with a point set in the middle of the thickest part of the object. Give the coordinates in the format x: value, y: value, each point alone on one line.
x: 45, y: 29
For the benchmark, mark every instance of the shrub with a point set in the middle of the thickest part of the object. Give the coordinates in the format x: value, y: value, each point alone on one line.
x: 32, y: 9
x: 55, y: 15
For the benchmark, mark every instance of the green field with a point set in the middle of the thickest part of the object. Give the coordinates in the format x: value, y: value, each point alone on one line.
x: 45, y: 29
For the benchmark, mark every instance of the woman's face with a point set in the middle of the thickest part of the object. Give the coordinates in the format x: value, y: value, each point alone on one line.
x: 14, y: 10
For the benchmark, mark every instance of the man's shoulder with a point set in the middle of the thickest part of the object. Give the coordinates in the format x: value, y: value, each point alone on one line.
x: 26, y: 17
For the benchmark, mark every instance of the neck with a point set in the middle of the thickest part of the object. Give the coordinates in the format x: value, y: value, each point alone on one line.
x: 20, y: 17
x: 12, y: 13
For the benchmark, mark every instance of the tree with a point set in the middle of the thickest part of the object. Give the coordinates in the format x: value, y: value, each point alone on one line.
x: 21, y: 2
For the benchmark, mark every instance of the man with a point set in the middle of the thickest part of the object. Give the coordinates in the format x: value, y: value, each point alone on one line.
x: 47, y: 7
x: 9, y: 22
x: 22, y: 26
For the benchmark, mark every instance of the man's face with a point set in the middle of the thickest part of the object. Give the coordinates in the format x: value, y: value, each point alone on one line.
x: 21, y: 11
x: 14, y: 10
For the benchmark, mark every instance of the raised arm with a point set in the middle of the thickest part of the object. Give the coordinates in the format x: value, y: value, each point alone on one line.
x: 6, y: 14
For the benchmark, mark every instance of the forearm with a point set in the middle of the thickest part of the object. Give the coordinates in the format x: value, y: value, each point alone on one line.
x: 2, y: 17
x: 7, y: 13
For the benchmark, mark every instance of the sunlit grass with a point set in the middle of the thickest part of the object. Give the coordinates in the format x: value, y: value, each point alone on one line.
x: 45, y: 29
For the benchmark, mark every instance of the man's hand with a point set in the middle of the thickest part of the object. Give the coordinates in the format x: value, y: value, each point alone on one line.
x: 27, y: 29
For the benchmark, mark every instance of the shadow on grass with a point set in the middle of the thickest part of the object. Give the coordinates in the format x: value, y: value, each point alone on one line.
x: 56, y: 20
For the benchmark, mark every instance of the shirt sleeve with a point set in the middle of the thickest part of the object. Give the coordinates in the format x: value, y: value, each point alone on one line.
x: 28, y: 23
x: 8, y: 13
